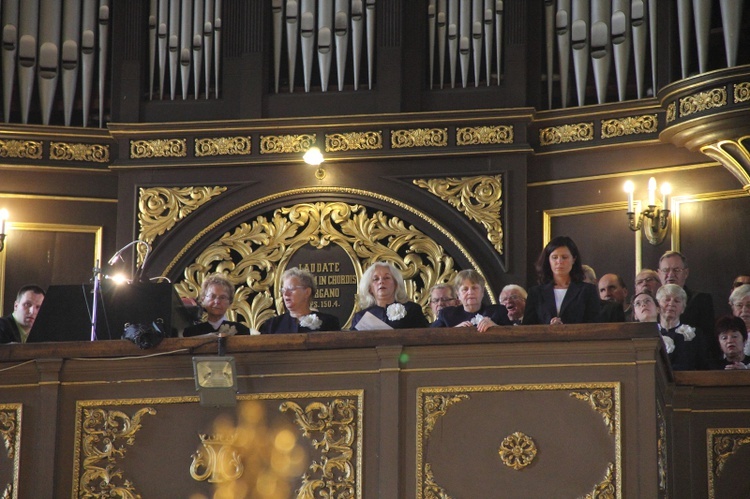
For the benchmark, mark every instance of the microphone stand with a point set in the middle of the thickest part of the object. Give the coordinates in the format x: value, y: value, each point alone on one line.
x: 97, y: 292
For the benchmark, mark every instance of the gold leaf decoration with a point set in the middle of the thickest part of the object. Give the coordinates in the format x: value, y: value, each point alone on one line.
x: 219, y: 461
x: 158, y: 148
x: 419, y: 137
x: 741, y: 92
x: 223, y: 146
x: 479, y: 198
x: 95, y: 153
x: 277, y: 144
x: 103, y: 439
x: 499, y: 134
x: 8, y: 431
x: 563, y: 134
x: 630, y: 125
x: 431, y: 489
x: 332, y: 427
x: 602, y: 401
x: 517, y: 450
x: 703, y: 101
x: 160, y: 208
x: 354, y: 141
x: 661, y: 448
x: 435, y: 407
x: 24, y: 149
x: 606, y: 488
x: 725, y: 443
x: 671, y: 112
x: 250, y: 254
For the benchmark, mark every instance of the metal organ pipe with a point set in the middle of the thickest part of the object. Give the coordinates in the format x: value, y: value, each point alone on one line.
x: 10, y: 49
x: 28, y: 23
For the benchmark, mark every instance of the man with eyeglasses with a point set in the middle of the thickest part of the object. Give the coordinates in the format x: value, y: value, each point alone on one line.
x: 647, y: 280
x: 217, y: 295
x: 441, y: 296
x: 513, y: 297
x: 699, y: 310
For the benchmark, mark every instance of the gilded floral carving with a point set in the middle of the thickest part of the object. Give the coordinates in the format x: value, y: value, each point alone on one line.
x: 419, y: 137
x: 703, y: 101
x: 435, y: 407
x: 630, y: 125
x: 278, y: 144
x: 606, y: 489
x: 671, y: 112
x: 517, y: 450
x: 499, y: 134
x: 63, y: 151
x: 354, y: 141
x: 603, y: 402
x: 223, y: 146
x: 563, y: 134
x: 23, y: 149
x: 158, y: 148
x: 741, y: 92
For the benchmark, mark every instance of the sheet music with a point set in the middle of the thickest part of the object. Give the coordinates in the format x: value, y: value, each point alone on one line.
x: 369, y: 322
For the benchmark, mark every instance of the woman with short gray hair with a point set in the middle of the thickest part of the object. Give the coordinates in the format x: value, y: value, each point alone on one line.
x: 681, y: 341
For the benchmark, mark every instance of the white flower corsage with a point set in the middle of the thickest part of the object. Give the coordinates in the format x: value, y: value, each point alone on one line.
x: 395, y: 312
x: 310, y: 321
x: 668, y: 344
x: 686, y: 331
x: 477, y: 319
x: 226, y: 330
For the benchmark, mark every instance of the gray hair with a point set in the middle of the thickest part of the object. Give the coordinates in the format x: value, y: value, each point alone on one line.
x: 514, y: 287
x: 672, y: 290
x: 304, y: 277
x: 444, y: 285
x: 668, y: 254
x: 366, y: 299
x: 217, y: 279
x: 739, y: 293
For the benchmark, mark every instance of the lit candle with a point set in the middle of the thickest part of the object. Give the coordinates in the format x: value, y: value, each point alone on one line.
x: 666, y: 190
x: 629, y: 187
x: 652, y: 191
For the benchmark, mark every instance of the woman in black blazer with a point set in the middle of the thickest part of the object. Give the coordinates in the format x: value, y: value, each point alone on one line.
x: 561, y: 296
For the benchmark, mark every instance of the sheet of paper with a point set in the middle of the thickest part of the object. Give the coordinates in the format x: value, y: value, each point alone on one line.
x: 369, y: 322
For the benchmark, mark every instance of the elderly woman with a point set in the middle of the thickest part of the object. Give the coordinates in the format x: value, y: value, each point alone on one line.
x: 739, y: 300
x: 732, y: 335
x: 645, y: 308
x: 297, y: 290
x: 217, y: 295
x: 562, y: 297
x: 382, y: 299
x: 469, y: 286
x: 680, y: 340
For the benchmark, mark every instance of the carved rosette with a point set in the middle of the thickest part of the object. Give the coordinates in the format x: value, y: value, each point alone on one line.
x: 479, y: 198
x: 630, y: 125
x: 104, y: 434
x: 517, y: 450
x: 703, y: 101
x: 23, y: 149
x: 419, y: 137
x: 279, y: 144
x: 158, y: 148
x: 223, y: 146
x: 250, y: 254
x: 63, y: 151
x: 354, y: 141
x: 500, y: 134
x: 563, y: 134
x: 741, y: 92
x: 603, y: 402
x: 332, y: 428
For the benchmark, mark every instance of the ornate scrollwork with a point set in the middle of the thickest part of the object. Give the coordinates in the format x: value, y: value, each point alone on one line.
x: 278, y: 144
x: 354, y: 141
x: 741, y: 92
x: 62, y: 151
x: 661, y: 448
x: 223, y: 146
x: 25, y: 149
x: 8, y: 431
x: 576, y: 132
x: 630, y: 125
x: 431, y: 489
x: 517, y: 450
x: 158, y: 148
x: 336, y: 426
x: 724, y: 443
x: 606, y: 488
x: 703, y: 101
x: 419, y: 137
x: 219, y: 461
x: 160, y: 208
x: 101, y: 432
x: 499, y: 134
x: 435, y: 406
x: 250, y: 255
x: 602, y: 401
x: 671, y: 112
x: 480, y: 198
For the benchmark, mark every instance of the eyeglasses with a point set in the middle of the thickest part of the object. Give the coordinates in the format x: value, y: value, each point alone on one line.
x: 675, y: 271
x: 442, y: 300
x: 213, y: 297
x: 645, y: 280
x: 291, y: 289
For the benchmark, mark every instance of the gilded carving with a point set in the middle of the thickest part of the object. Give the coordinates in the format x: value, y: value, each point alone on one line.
x: 223, y: 146
x: 24, y: 149
x: 62, y: 151
x: 702, y: 101
x: 251, y: 254
x: 499, y: 134
x: 103, y: 439
x: 479, y: 198
x: 160, y: 208
x: 354, y: 141
x: 517, y: 450
x: 606, y: 489
x: 431, y: 489
x: 435, y: 406
x: 630, y: 125
x: 219, y: 461
x: 723, y: 444
x: 419, y: 137
x: 563, y: 134
x: 741, y: 92
x: 158, y: 148
x: 671, y: 112
x: 602, y: 401
x: 661, y: 448
x: 332, y: 427
x: 278, y: 144
x: 10, y: 431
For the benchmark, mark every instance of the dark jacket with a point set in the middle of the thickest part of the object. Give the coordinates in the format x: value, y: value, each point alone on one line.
x: 9, y: 332
x: 686, y: 355
x: 414, y: 316
x: 581, y: 304
x: 206, y: 327
x: 285, y: 323
x: 452, y: 316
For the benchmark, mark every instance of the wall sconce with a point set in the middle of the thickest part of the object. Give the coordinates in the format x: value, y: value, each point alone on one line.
x: 655, y: 229
x: 3, y: 218
x: 314, y: 157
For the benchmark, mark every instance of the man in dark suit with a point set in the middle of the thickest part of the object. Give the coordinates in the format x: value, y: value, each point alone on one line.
x: 15, y: 328
x: 614, y: 307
